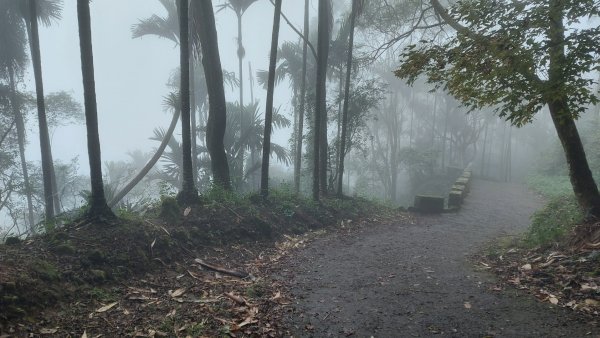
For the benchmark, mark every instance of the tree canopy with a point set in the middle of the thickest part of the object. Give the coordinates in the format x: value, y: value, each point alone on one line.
x: 500, y: 55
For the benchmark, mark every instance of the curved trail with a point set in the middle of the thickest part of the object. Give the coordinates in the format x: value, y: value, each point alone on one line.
x: 416, y: 280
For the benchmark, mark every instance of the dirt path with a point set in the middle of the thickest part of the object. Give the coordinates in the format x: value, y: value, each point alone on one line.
x: 416, y: 280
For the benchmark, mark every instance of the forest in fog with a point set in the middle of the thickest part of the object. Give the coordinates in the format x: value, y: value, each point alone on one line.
x: 299, y: 168
x: 386, y: 94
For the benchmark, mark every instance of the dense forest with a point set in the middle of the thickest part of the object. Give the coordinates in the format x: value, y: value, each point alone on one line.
x: 343, y: 67
x: 294, y: 108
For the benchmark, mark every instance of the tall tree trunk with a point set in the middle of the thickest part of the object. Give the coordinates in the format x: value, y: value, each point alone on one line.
x: 252, y: 178
x: 217, y: 113
x: 485, y: 137
x: 584, y: 186
x: 98, y: 209
x: 16, y: 107
x: 412, y: 115
x: 55, y: 195
x: 394, y: 135
x: 346, y: 98
x: 251, y: 82
x: 193, y: 122
x: 298, y: 162
x: 188, y: 193
x: 320, y: 154
x: 445, y: 135
x: 146, y: 169
x: 264, y: 177
x: 47, y: 171
x: 240, y: 53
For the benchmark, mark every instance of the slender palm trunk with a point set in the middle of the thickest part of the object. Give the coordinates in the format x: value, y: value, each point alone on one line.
x: 217, y: 114
x: 150, y: 164
x: 193, y: 122
x: 47, y: 171
x: 346, y: 98
x: 485, y: 137
x: 323, y: 43
x: 298, y: 162
x: 20, y: 124
x: 188, y: 193
x: 264, y: 177
x: 320, y: 152
x: 240, y: 54
x: 98, y: 207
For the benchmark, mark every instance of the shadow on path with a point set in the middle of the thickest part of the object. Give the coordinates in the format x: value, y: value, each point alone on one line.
x: 416, y: 281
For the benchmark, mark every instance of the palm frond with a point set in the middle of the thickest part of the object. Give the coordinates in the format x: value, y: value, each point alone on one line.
x: 157, y: 26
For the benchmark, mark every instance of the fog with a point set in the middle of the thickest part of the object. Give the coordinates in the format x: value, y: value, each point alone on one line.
x: 407, y: 131
x: 131, y: 74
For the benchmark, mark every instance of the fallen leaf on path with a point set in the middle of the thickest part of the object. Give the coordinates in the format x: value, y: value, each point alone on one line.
x: 553, y: 300
x: 526, y: 267
x: 588, y: 287
x: 591, y: 302
x: 107, y: 307
x: 467, y: 305
x: 177, y: 293
x: 235, y: 298
x: 48, y: 331
x: 187, y: 211
x: 276, y: 296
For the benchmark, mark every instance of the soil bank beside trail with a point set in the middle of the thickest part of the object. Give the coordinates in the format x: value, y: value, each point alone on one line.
x: 416, y: 280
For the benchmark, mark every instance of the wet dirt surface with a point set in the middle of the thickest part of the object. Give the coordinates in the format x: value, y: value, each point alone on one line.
x: 416, y: 280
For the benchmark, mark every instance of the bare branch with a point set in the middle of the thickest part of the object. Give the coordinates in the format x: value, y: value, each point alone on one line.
x: 312, y: 48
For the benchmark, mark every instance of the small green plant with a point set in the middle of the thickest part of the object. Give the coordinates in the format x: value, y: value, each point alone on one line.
x: 169, y: 209
x: 102, y: 295
x: 552, y: 222
x: 196, y: 329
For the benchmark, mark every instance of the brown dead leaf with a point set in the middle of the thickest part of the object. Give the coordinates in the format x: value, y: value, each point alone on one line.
x: 106, y: 307
x: 514, y: 281
x: 249, y: 320
x: 526, y: 267
x: 235, y: 298
x: 177, y: 293
x: 548, y: 263
x: 48, y: 331
x: 276, y: 296
x: 588, y: 287
x: 591, y: 302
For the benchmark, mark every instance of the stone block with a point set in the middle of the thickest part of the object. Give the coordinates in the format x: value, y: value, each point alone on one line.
x: 429, y: 204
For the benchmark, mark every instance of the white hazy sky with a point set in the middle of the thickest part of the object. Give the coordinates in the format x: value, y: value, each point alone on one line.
x: 131, y: 73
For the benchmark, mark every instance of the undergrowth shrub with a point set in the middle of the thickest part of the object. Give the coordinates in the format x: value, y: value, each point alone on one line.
x: 560, y: 214
x: 555, y: 220
x: 550, y: 186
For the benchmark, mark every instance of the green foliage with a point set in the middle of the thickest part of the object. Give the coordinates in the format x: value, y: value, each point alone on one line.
x: 551, y: 186
x: 558, y: 216
x: 555, y: 220
x: 45, y: 270
x: 102, y: 295
x: 169, y: 209
x: 501, y: 56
